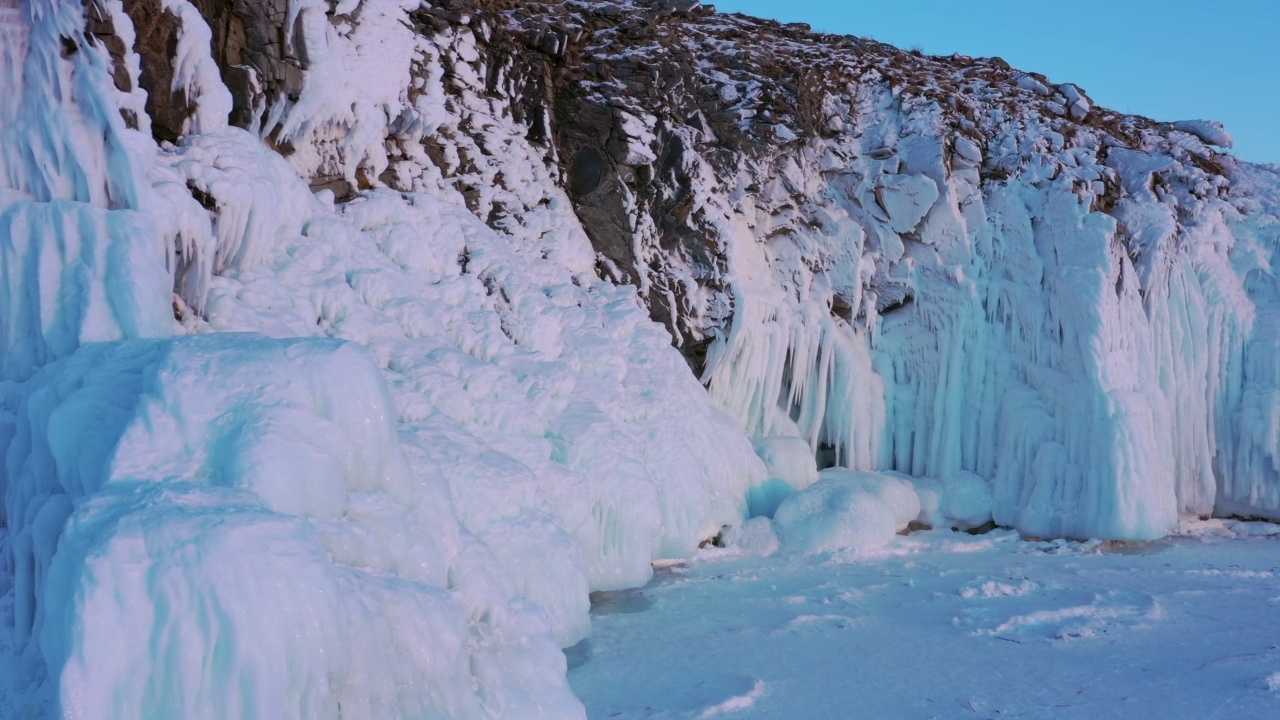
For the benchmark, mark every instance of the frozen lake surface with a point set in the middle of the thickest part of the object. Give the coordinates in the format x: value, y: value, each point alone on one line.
x: 948, y: 625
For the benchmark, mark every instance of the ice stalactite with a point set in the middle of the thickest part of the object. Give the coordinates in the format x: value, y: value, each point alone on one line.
x: 195, y: 74
x: 790, y: 362
x: 78, y: 261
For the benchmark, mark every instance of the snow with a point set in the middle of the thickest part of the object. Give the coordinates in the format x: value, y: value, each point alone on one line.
x: 1209, y: 131
x: 943, y: 624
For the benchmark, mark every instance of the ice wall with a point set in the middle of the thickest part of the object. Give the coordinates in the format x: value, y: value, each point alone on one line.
x: 78, y: 261
x: 941, y: 266
x: 910, y: 317
x: 1083, y: 362
x: 1248, y: 459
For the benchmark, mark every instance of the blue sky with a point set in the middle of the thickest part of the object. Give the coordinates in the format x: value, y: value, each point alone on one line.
x: 1171, y: 60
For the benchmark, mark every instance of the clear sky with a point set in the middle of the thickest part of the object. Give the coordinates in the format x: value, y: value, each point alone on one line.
x: 1166, y: 59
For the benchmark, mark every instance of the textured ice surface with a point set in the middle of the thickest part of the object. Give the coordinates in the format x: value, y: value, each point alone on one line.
x: 244, y: 537
x: 791, y: 466
x: 1001, y: 628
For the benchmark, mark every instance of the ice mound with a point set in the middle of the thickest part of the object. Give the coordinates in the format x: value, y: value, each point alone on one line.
x: 962, y: 501
x: 791, y: 467
x: 846, y: 510
x: 244, y: 538
x: 755, y: 537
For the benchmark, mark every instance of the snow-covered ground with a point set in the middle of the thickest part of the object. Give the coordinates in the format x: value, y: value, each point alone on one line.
x: 949, y: 625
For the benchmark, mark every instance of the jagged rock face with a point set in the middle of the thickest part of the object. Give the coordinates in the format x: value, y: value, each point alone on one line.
x: 933, y: 265
x: 252, y: 43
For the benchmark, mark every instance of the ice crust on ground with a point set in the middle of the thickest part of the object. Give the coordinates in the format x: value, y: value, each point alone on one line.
x: 1002, y: 627
x: 302, y: 457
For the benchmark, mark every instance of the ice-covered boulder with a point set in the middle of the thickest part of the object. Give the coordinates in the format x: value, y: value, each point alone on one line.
x: 966, y: 500
x: 846, y: 510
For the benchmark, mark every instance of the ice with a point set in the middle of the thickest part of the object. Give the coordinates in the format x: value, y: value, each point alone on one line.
x: 1086, y: 366
x: 791, y: 467
x: 966, y: 500
x: 408, y: 431
x: 960, y: 502
x: 846, y: 510
x: 355, y: 84
x: 78, y: 262
x: 273, y: 504
x: 72, y: 273
x: 284, y: 526
x: 195, y: 74
x: 752, y: 537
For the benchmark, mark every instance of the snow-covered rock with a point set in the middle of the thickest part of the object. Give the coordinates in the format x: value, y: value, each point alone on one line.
x: 1211, y: 132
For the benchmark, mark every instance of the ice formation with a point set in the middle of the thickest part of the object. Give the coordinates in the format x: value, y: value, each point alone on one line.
x: 299, y: 527
x: 944, y: 267
x: 329, y: 378
x: 846, y: 510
